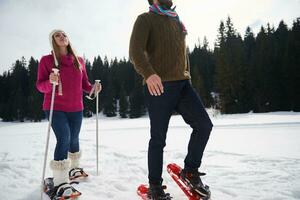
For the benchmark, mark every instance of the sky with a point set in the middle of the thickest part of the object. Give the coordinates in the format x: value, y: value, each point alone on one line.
x: 97, y: 27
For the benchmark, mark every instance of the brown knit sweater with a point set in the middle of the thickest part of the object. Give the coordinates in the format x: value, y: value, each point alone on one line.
x: 157, y: 46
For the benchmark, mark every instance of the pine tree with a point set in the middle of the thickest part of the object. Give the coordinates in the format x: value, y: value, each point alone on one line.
x: 123, y: 103
x: 249, y: 49
x: 97, y: 69
x: 109, y: 103
x: 89, y: 105
x: 292, y: 66
x: 6, y: 97
x: 88, y: 68
x: 97, y: 73
x: 4, y: 89
x: 109, y: 97
x: 280, y: 76
x: 3, y: 94
x: 136, y: 99
x: 197, y: 81
x: 264, y: 63
x: 230, y: 30
x: 202, y: 72
x: 221, y: 36
x: 20, y: 90
x: 35, y: 99
x: 231, y: 70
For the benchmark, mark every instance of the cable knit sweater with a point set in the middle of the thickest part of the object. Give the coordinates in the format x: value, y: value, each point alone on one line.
x: 73, y: 81
x: 157, y: 46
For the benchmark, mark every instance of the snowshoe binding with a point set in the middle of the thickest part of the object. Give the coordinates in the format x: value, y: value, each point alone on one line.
x: 156, y: 192
x: 77, y: 173
x: 193, y: 181
x: 63, y: 191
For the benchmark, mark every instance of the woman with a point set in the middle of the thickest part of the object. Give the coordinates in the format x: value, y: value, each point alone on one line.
x: 72, y: 80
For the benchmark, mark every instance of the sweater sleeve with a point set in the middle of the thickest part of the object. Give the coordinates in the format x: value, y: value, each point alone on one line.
x: 86, y: 85
x: 137, y: 47
x: 43, y: 84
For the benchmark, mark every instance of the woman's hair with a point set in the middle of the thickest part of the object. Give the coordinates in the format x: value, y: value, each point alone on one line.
x: 70, y: 51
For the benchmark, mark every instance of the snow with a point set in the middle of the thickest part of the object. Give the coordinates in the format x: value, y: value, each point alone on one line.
x: 249, y: 156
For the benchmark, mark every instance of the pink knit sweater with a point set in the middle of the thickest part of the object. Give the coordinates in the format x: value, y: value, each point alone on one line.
x: 73, y: 81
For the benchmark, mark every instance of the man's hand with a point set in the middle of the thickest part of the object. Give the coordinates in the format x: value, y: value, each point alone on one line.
x: 155, y: 85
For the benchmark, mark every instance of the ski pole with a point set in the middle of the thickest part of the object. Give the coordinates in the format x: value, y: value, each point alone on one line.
x: 97, y: 135
x: 55, y: 71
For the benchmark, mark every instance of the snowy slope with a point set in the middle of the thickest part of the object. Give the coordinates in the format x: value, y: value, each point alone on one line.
x: 249, y: 156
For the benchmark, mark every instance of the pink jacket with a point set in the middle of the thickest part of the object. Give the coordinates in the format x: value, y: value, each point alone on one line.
x: 73, y: 81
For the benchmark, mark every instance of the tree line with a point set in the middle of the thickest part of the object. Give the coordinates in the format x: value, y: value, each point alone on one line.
x: 240, y: 74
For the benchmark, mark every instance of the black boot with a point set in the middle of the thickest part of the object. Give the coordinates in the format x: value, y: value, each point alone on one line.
x: 156, y: 192
x: 193, y: 180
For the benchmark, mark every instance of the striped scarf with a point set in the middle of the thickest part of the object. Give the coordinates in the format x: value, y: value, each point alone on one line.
x: 170, y: 13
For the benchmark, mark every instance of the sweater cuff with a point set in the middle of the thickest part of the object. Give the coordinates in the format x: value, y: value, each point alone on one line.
x: 148, y: 72
x: 49, y: 86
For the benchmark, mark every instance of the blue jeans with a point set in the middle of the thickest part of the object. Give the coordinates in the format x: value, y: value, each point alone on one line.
x: 178, y: 96
x: 66, y: 127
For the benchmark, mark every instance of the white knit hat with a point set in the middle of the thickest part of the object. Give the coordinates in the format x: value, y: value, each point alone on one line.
x: 51, y: 44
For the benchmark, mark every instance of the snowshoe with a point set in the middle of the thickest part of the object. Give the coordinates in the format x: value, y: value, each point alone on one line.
x: 193, y: 180
x: 180, y: 179
x: 63, y: 191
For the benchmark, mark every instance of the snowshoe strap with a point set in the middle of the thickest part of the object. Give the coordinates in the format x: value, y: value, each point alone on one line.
x: 162, y: 195
x: 200, y: 174
x: 195, y: 173
x: 62, y: 188
x: 76, y: 173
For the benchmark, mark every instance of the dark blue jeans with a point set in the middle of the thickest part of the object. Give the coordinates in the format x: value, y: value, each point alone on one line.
x: 66, y: 127
x: 178, y: 96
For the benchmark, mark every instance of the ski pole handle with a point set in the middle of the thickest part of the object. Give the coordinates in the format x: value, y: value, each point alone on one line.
x: 97, y: 82
x: 93, y: 91
x: 55, y: 71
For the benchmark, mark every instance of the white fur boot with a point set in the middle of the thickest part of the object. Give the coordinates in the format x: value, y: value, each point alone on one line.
x: 75, y: 159
x: 76, y: 172
x: 60, y: 171
x: 62, y: 189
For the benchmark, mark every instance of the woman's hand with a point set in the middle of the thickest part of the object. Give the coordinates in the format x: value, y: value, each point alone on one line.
x: 98, y: 87
x: 53, y: 78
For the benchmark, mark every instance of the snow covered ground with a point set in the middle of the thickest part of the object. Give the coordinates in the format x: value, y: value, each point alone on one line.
x: 249, y: 156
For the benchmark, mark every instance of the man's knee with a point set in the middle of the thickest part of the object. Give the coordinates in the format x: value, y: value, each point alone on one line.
x: 202, y: 126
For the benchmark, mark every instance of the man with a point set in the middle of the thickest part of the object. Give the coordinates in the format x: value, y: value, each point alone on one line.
x: 158, y: 52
